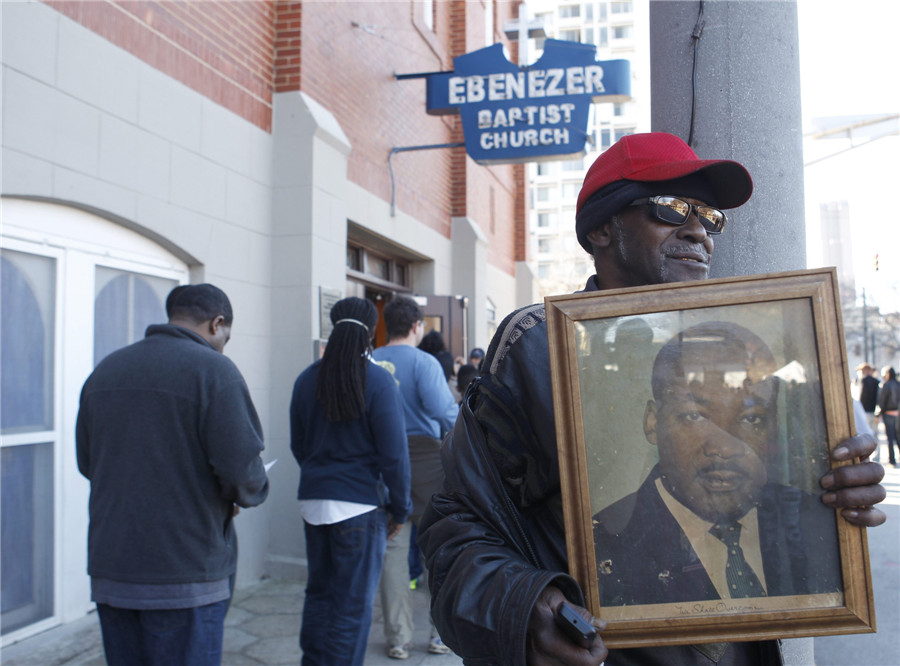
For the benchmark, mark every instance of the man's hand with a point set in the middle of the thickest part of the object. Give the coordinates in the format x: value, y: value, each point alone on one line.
x: 393, y: 528
x: 549, y: 646
x: 856, y: 487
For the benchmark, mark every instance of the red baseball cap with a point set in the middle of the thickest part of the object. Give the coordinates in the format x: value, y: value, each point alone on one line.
x: 658, y: 156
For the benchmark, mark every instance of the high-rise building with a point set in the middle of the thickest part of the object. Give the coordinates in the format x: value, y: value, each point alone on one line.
x: 837, y: 245
x: 871, y: 334
x: 620, y: 30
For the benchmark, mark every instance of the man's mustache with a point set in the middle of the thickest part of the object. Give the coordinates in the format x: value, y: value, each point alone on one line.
x: 687, y: 249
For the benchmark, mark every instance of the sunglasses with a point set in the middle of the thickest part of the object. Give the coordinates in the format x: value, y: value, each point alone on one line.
x: 675, y: 211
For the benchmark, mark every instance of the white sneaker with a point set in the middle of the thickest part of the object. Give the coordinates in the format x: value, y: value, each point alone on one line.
x: 436, y: 646
x: 399, y: 651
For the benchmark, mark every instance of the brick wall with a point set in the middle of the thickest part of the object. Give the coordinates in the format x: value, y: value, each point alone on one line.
x: 222, y: 50
x: 507, y: 233
x: 460, y: 160
x: 520, y: 214
x: 351, y: 52
x: 288, y: 43
x: 473, y: 186
x: 345, y: 55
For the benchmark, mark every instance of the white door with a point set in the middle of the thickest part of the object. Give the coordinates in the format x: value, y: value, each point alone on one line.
x: 74, y: 288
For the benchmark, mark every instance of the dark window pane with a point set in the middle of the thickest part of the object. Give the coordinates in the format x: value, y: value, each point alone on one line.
x: 379, y: 267
x: 353, y: 258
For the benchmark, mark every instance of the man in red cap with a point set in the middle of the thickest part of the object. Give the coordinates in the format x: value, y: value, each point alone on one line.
x: 494, y: 539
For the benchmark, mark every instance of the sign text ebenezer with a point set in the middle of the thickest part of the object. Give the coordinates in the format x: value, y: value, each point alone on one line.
x: 512, y: 114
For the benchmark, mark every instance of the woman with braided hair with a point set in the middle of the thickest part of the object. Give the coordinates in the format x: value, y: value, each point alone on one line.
x: 349, y: 438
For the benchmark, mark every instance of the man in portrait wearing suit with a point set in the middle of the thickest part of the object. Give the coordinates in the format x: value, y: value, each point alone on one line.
x: 707, y: 523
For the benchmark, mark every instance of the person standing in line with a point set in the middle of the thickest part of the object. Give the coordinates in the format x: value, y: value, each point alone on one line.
x: 476, y: 356
x: 169, y: 439
x: 868, y: 397
x: 433, y: 343
x: 494, y: 537
x: 466, y: 375
x: 348, y: 436
x: 888, y: 404
x: 430, y: 411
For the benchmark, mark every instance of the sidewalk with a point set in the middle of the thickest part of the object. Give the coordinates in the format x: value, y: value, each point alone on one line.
x: 262, y: 627
x: 263, y: 624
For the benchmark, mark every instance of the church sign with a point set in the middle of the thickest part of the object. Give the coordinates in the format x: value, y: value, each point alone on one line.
x: 521, y: 114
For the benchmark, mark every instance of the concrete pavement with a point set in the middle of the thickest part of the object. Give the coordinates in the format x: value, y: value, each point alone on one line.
x: 878, y: 649
x: 263, y: 623
x: 262, y: 627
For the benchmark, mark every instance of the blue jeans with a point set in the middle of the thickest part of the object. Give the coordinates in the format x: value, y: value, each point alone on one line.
x: 344, y: 562
x: 187, y: 636
x: 890, y: 430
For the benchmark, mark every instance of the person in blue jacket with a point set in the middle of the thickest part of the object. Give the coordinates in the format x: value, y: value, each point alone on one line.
x: 430, y: 411
x: 348, y: 435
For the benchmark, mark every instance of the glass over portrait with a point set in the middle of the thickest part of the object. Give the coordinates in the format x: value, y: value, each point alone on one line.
x: 703, y: 432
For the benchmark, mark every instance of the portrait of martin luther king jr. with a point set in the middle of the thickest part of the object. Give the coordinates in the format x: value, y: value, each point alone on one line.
x: 707, y: 523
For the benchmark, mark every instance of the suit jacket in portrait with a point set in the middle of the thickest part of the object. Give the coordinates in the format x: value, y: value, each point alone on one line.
x: 644, y: 557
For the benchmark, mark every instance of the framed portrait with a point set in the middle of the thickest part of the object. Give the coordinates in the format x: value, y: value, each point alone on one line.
x: 694, y: 422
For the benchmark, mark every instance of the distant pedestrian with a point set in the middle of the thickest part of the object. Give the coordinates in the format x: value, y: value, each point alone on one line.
x: 476, y: 356
x: 430, y: 411
x: 348, y: 434
x: 889, y: 403
x: 868, y: 397
x: 170, y: 441
x: 860, y: 420
x: 433, y: 343
x: 464, y: 377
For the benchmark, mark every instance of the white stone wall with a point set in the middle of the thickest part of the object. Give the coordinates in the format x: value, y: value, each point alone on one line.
x: 88, y: 124
x: 263, y: 216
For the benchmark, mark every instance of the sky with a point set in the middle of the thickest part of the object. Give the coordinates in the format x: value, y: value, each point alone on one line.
x: 850, y: 65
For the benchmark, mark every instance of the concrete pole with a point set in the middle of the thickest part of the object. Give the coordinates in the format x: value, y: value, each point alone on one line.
x: 746, y: 108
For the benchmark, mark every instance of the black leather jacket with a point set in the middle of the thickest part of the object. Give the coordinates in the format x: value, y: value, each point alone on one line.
x: 889, y: 395
x: 494, y: 539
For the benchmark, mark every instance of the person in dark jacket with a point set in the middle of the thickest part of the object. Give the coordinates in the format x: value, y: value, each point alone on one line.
x: 170, y: 441
x: 868, y: 398
x: 430, y: 411
x: 888, y: 406
x: 466, y: 375
x: 494, y: 538
x: 348, y: 435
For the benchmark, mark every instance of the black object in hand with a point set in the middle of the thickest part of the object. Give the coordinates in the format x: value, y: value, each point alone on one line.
x: 579, y: 630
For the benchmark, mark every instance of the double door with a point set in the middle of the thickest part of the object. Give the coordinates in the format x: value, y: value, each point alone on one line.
x: 67, y: 301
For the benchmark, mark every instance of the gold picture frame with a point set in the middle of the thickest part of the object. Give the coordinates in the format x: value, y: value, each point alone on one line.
x: 618, y: 451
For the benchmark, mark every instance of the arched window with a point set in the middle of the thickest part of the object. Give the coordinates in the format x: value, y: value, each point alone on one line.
x: 124, y: 306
